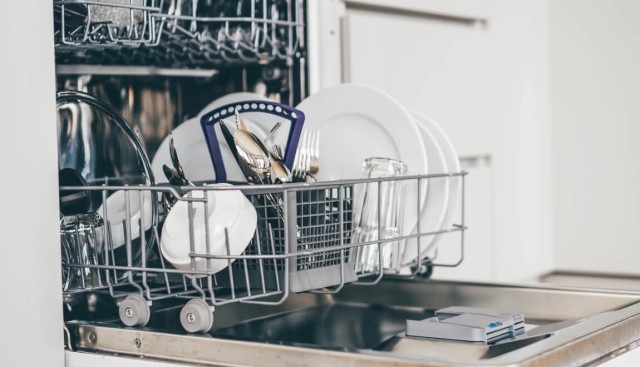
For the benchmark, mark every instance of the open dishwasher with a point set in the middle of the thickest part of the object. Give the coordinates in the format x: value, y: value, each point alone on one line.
x: 295, y: 294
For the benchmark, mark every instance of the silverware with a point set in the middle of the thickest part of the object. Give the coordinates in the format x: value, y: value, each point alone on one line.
x: 175, y: 160
x: 272, y: 134
x: 314, y: 152
x: 174, y: 177
x: 241, y: 123
x: 280, y: 172
x: 252, y: 156
x: 307, y: 162
x: 254, y: 161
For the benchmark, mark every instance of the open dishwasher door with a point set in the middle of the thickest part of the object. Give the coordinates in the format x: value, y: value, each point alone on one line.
x: 365, y: 326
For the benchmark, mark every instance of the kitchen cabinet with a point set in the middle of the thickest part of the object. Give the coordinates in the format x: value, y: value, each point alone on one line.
x: 594, y: 89
x: 482, y: 74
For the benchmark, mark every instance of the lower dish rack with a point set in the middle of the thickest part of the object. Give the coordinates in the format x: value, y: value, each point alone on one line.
x: 302, y: 240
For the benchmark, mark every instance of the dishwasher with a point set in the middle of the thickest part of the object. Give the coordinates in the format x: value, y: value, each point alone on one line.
x: 293, y: 295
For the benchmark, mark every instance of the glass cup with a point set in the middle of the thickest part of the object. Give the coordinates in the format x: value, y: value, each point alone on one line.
x: 81, y: 238
x: 378, y: 216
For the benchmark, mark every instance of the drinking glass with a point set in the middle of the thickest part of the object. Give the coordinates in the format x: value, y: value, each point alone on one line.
x: 81, y: 238
x: 378, y: 216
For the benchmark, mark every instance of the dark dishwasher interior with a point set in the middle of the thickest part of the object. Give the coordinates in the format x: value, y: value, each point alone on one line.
x: 334, y: 326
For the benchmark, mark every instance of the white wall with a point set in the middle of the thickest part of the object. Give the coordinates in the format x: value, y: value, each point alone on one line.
x: 595, y: 89
x: 31, y: 306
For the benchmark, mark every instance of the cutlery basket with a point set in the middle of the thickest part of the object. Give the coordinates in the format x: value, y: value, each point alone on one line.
x: 311, y: 234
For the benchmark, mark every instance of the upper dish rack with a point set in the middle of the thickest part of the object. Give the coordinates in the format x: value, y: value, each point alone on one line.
x: 177, y: 33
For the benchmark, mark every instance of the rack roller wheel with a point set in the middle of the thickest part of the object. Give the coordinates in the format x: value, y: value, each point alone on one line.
x: 134, y: 311
x: 425, y: 270
x: 196, y: 316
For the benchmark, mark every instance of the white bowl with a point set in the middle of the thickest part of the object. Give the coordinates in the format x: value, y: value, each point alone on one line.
x: 228, y: 209
x: 117, y: 214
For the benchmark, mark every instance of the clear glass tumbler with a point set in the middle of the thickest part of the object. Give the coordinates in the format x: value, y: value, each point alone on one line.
x: 81, y: 238
x: 378, y: 216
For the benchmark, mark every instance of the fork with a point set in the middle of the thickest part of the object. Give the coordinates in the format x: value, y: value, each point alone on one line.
x: 307, y: 162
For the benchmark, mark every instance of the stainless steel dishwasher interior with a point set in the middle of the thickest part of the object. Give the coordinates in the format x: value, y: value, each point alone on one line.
x: 365, y: 324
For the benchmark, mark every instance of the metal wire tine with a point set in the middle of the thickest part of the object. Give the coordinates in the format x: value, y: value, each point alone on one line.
x: 273, y: 252
x: 194, y: 9
x: 226, y: 240
x: 112, y: 253
x: 272, y: 134
x: 211, y: 282
x: 143, y: 241
x: 178, y: 13
x: 260, y: 263
x: 206, y: 230
x: 106, y: 234
x: 162, y: 264
x: 314, y: 157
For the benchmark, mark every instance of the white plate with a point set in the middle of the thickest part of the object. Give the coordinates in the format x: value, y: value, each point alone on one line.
x: 117, y: 214
x: 453, y: 165
x: 192, y: 147
x: 228, y: 209
x: 358, y: 122
x: 433, y: 213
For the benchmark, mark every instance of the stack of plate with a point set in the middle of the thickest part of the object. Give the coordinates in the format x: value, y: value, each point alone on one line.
x: 355, y: 123
x: 358, y: 122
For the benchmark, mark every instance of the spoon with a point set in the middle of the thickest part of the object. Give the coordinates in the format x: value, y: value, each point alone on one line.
x: 241, y: 123
x: 253, y: 158
x: 280, y: 172
x: 174, y: 177
x: 228, y: 137
x: 254, y: 152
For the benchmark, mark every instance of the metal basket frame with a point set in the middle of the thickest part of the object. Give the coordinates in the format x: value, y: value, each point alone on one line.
x: 155, y: 280
x: 179, y: 33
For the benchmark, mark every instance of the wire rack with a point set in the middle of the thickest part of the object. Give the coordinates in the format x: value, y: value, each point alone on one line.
x: 177, y: 33
x: 302, y: 242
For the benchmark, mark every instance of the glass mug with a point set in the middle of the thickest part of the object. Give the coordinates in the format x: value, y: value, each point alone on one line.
x: 378, y: 216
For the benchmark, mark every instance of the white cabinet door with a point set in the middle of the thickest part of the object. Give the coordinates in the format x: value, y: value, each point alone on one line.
x: 483, y: 79
x: 594, y: 62
x: 441, y: 67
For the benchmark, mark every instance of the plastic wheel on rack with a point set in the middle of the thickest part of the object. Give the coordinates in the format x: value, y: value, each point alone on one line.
x: 425, y: 270
x: 134, y: 311
x: 196, y: 316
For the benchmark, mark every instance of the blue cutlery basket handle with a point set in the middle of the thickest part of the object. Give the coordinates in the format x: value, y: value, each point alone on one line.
x: 210, y: 119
